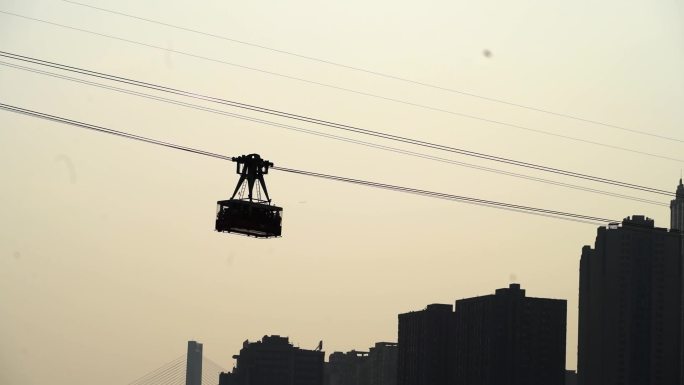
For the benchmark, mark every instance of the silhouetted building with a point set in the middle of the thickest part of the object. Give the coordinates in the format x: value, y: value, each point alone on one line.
x: 274, y: 361
x: 426, y: 346
x: 570, y: 377
x: 630, y: 305
x: 677, y: 225
x: 349, y: 368
x: 378, y: 366
x: 193, y: 369
x: 507, y: 338
x: 382, y: 359
x: 677, y: 209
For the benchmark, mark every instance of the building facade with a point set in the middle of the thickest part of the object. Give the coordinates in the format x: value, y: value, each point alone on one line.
x: 630, y: 305
x: 349, y: 368
x: 382, y: 359
x: 677, y: 209
x: 274, y: 361
x: 677, y: 225
x: 378, y: 366
x: 193, y: 367
x: 426, y: 346
x: 510, y: 339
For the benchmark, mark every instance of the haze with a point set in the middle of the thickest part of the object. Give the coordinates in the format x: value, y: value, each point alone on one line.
x: 108, y: 258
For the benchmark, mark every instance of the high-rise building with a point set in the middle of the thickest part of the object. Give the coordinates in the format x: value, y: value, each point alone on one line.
x: 378, y: 366
x: 349, y: 368
x: 382, y: 360
x: 677, y: 209
x: 677, y: 225
x: 274, y: 361
x: 193, y: 369
x: 630, y: 320
x: 507, y: 338
x: 426, y: 346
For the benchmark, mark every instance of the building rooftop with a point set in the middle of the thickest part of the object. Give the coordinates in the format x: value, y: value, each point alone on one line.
x: 639, y: 220
x: 633, y: 222
x: 433, y: 308
x: 513, y: 290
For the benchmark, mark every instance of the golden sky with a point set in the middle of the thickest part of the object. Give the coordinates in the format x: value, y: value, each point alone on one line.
x: 108, y: 261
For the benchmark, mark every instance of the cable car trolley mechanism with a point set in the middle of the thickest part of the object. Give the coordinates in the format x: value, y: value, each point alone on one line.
x: 251, y: 215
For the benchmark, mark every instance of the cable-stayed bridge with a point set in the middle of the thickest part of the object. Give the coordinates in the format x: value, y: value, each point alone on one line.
x: 175, y: 372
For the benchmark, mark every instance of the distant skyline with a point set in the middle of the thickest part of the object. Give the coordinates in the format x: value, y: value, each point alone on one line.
x: 107, y: 244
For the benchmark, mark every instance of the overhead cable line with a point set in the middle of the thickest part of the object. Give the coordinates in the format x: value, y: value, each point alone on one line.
x: 482, y: 202
x: 331, y: 86
x: 381, y: 74
x: 326, y: 123
x: 110, y: 131
x: 335, y: 137
x: 432, y: 194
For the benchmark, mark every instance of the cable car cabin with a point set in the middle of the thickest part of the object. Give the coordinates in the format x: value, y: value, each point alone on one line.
x: 245, y: 212
x: 253, y: 219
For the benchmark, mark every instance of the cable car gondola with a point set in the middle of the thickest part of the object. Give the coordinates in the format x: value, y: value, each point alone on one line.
x: 251, y: 215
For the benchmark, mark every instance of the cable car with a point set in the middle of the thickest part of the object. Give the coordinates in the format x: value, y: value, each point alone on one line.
x: 250, y: 215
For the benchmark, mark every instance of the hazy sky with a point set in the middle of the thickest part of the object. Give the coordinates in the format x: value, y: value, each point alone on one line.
x: 108, y: 259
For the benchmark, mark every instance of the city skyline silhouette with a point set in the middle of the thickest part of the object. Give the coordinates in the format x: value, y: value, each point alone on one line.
x: 109, y: 256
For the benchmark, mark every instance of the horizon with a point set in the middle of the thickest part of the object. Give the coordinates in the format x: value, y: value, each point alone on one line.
x: 110, y: 258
